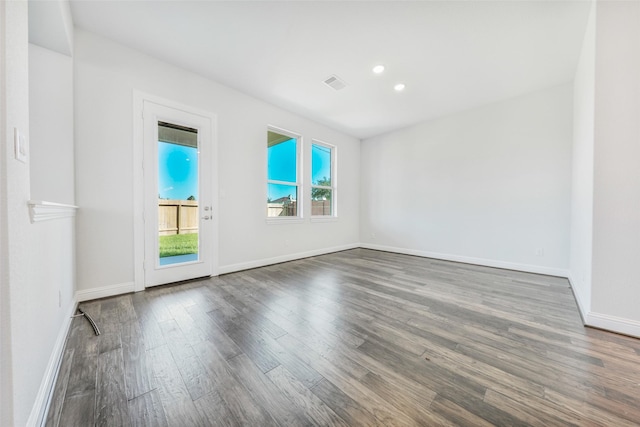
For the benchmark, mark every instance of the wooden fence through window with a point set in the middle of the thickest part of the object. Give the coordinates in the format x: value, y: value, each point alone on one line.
x: 177, y: 217
x: 318, y: 208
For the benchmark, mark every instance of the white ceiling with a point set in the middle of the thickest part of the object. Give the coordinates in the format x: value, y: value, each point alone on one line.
x: 452, y: 55
x: 51, y: 26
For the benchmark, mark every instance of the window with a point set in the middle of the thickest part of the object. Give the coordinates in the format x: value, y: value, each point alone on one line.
x: 322, y: 179
x: 283, y: 184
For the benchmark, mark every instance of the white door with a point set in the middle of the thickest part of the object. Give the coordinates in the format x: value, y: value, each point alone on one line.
x: 178, y: 196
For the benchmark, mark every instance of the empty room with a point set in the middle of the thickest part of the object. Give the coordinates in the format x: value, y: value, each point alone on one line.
x: 292, y: 213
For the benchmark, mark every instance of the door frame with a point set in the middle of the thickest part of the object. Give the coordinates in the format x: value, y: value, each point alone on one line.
x: 139, y: 99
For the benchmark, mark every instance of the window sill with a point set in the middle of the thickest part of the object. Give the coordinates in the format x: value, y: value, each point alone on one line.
x: 284, y: 220
x: 324, y: 218
x: 44, y: 211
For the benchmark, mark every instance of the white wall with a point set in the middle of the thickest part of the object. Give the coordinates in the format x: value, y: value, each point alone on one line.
x: 26, y: 342
x: 51, y: 125
x: 488, y: 186
x: 582, y: 169
x: 51, y: 25
x: 6, y: 377
x: 51, y: 290
x: 5, y: 380
x: 106, y: 74
x: 615, y: 299
x: 37, y: 259
x: 19, y: 385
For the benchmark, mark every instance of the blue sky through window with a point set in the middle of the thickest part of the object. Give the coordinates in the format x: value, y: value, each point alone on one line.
x: 177, y: 171
x: 282, y: 167
x: 320, y: 164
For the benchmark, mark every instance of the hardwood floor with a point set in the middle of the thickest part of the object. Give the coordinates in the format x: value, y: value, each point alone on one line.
x: 355, y: 338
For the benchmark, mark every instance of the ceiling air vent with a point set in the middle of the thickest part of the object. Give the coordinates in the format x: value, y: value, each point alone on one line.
x: 335, y: 82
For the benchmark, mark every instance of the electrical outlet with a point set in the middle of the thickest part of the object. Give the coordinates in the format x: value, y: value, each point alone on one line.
x: 540, y: 252
x: 373, y: 235
x: 59, y: 299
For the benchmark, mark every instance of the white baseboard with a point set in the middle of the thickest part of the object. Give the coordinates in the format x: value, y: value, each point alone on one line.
x: 549, y: 271
x: 581, y: 307
x: 284, y: 258
x: 604, y: 321
x: 105, y: 291
x: 613, y: 324
x: 124, y: 288
x: 43, y: 398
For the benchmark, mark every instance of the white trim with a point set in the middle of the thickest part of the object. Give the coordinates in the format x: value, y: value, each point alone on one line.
x: 105, y: 291
x: 155, y: 272
x: 576, y: 296
x: 299, y: 184
x: 528, y: 268
x: 225, y: 269
x: 333, y: 177
x: 613, y: 324
x: 287, y: 183
x: 45, y: 393
x: 42, y: 211
x: 138, y: 190
x: 604, y: 321
x: 215, y: 195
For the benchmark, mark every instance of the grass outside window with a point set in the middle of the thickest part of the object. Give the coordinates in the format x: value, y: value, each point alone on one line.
x: 178, y: 244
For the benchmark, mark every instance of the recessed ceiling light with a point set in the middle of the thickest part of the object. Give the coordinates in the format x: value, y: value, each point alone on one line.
x: 399, y: 87
x: 378, y: 69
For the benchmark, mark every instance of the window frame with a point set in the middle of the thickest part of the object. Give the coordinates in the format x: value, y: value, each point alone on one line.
x: 298, y: 183
x: 333, y: 187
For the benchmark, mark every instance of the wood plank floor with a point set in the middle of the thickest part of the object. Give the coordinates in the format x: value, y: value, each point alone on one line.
x: 355, y: 338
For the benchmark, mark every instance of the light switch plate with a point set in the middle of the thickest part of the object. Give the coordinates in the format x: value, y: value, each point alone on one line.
x: 21, y: 146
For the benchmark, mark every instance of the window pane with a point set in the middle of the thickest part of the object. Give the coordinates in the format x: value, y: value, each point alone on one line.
x: 177, y: 171
x: 321, y: 201
x: 281, y: 158
x: 282, y: 200
x: 320, y: 165
x: 177, y: 194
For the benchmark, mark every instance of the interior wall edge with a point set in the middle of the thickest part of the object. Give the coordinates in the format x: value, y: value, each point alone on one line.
x: 6, y: 386
x: 43, y: 398
x: 582, y: 308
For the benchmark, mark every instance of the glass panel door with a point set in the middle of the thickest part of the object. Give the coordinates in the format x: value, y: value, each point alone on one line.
x: 178, y: 214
